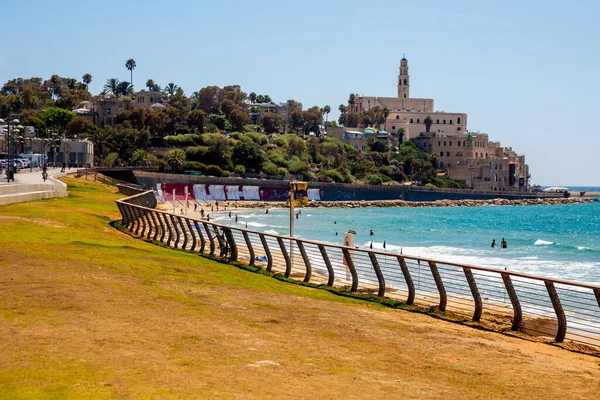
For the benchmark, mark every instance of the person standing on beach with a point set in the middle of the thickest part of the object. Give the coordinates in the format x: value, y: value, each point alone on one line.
x: 494, y: 243
x: 503, y: 244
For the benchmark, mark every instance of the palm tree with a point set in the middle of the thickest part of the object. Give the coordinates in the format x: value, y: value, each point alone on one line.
x: 326, y: 111
x: 252, y: 97
x: 130, y: 65
x: 343, y: 108
x: 268, y: 99
x: 124, y: 88
x: 352, y: 99
x: 171, y: 88
x: 150, y: 84
x: 175, y: 159
x: 87, y: 79
x: 401, y: 135
x: 112, y: 86
x: 428, y: 121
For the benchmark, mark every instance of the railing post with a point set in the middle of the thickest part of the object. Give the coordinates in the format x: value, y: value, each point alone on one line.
x: 286, y: 257
x: 350, y: 263
x: 514, y: 300
x: 210, y: 239
x: 597, y: 294
x: 127, y: 216
x: 232, y: 244
x: 191, y: 230
x: 173, y: 219
x: 249, y: 246
x: 327, y: 264
x: 380, y: 277
x: 409, y: 282
x: 183, y: 231
x: 156, y: 225
x: 439, y: 284
x: 475, y: 293
x: 265, y: 245
x: 122, y: 211
x: 305, y: 259
x: 201, y: 236
x: 169, y: 222
x: 560, y: 313
x: 147, y: 216
x: 163, y: 226
x: 138, y: 222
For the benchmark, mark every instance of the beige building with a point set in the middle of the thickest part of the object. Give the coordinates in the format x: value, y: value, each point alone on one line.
x: 144, y: 99
x: 474, y: 160
x: 407, y: 115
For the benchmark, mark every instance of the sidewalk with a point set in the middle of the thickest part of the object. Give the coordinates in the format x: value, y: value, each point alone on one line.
x: 30, y: 185
x: 24, y: 176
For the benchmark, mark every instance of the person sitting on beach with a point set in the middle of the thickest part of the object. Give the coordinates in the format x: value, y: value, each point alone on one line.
x: 504, y: 244
x: 202, y: 212
x: 494, y: 243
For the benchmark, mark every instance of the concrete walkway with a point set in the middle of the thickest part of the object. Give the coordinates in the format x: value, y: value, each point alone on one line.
x: 30, y: 185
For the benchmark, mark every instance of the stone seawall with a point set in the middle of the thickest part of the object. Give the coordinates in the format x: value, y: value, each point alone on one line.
x: 404, y: 204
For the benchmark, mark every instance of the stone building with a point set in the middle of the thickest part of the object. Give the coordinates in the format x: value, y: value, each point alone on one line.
x: 406, y: 114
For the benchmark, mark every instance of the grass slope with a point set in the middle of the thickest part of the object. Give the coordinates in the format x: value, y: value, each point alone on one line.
x: 89, y: 312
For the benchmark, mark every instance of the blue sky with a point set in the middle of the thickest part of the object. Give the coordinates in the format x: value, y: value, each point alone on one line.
x: 526, y: 72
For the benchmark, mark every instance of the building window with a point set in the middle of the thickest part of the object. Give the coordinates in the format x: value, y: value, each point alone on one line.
x: 411, y: 121
x: 404, y: 95
x: 393, y: 127
x: 437, y: 121
x: 397, y: 117
x: 458, y: 129
x: 458, y: 120
x: 464, y: 143
x: 459, y: 143
x: 448, y: 153
x: 459, y: 154
x: 444, y: 121
x: 439, y: 144
x: 418, y: 121
x: 405, y: 81
x: 444, y: 143
x: 450, y: 144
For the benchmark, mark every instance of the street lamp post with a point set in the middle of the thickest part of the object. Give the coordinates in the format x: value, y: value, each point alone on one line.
x: 9, y: 165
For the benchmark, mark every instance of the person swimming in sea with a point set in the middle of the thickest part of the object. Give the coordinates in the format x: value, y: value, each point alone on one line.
x: 494, y: 243
x: 371, y: 232
x: 503, y: 244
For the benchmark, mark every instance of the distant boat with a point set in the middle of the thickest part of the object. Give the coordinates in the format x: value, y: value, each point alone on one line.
x: 556, y: 189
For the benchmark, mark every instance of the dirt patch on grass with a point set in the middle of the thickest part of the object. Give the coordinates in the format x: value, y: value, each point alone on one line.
x: 40, y: 221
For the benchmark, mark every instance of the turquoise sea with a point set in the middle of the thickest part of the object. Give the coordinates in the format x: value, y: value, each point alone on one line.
x: 561, y: 241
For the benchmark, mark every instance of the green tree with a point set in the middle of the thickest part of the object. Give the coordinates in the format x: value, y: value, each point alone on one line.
x: 248, y: 154
x: 238, y: 119
x: 272, y: 123
x: 252, y: 97
x: 171, y: 88
x: 326, y: 111
x: 87, y: 79
x: 427, y: 121
x: 130, y: 65
x: 150, y: 84
x: 401, y: 133
x: 79, y: 126
x: 175, y: 159
x: 112, y: 86
x: 124, y: 89
x: 58, y: 118
x: 196, y: 120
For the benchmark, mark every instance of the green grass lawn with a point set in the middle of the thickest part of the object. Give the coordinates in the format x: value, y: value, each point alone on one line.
x: 87, y: 311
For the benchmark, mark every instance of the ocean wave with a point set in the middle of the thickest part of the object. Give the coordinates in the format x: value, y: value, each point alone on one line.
x: 256, y: 224
x: 541, y: 242
x: 272, y: 231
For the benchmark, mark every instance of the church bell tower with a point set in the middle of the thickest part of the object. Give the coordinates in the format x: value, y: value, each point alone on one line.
x: 403, y: 80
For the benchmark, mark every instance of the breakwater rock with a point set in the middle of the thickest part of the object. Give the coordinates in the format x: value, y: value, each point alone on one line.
x: 403, y: 203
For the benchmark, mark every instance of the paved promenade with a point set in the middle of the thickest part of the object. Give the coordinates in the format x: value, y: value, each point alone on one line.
x: 24, y: 176
x: 29, y: 185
